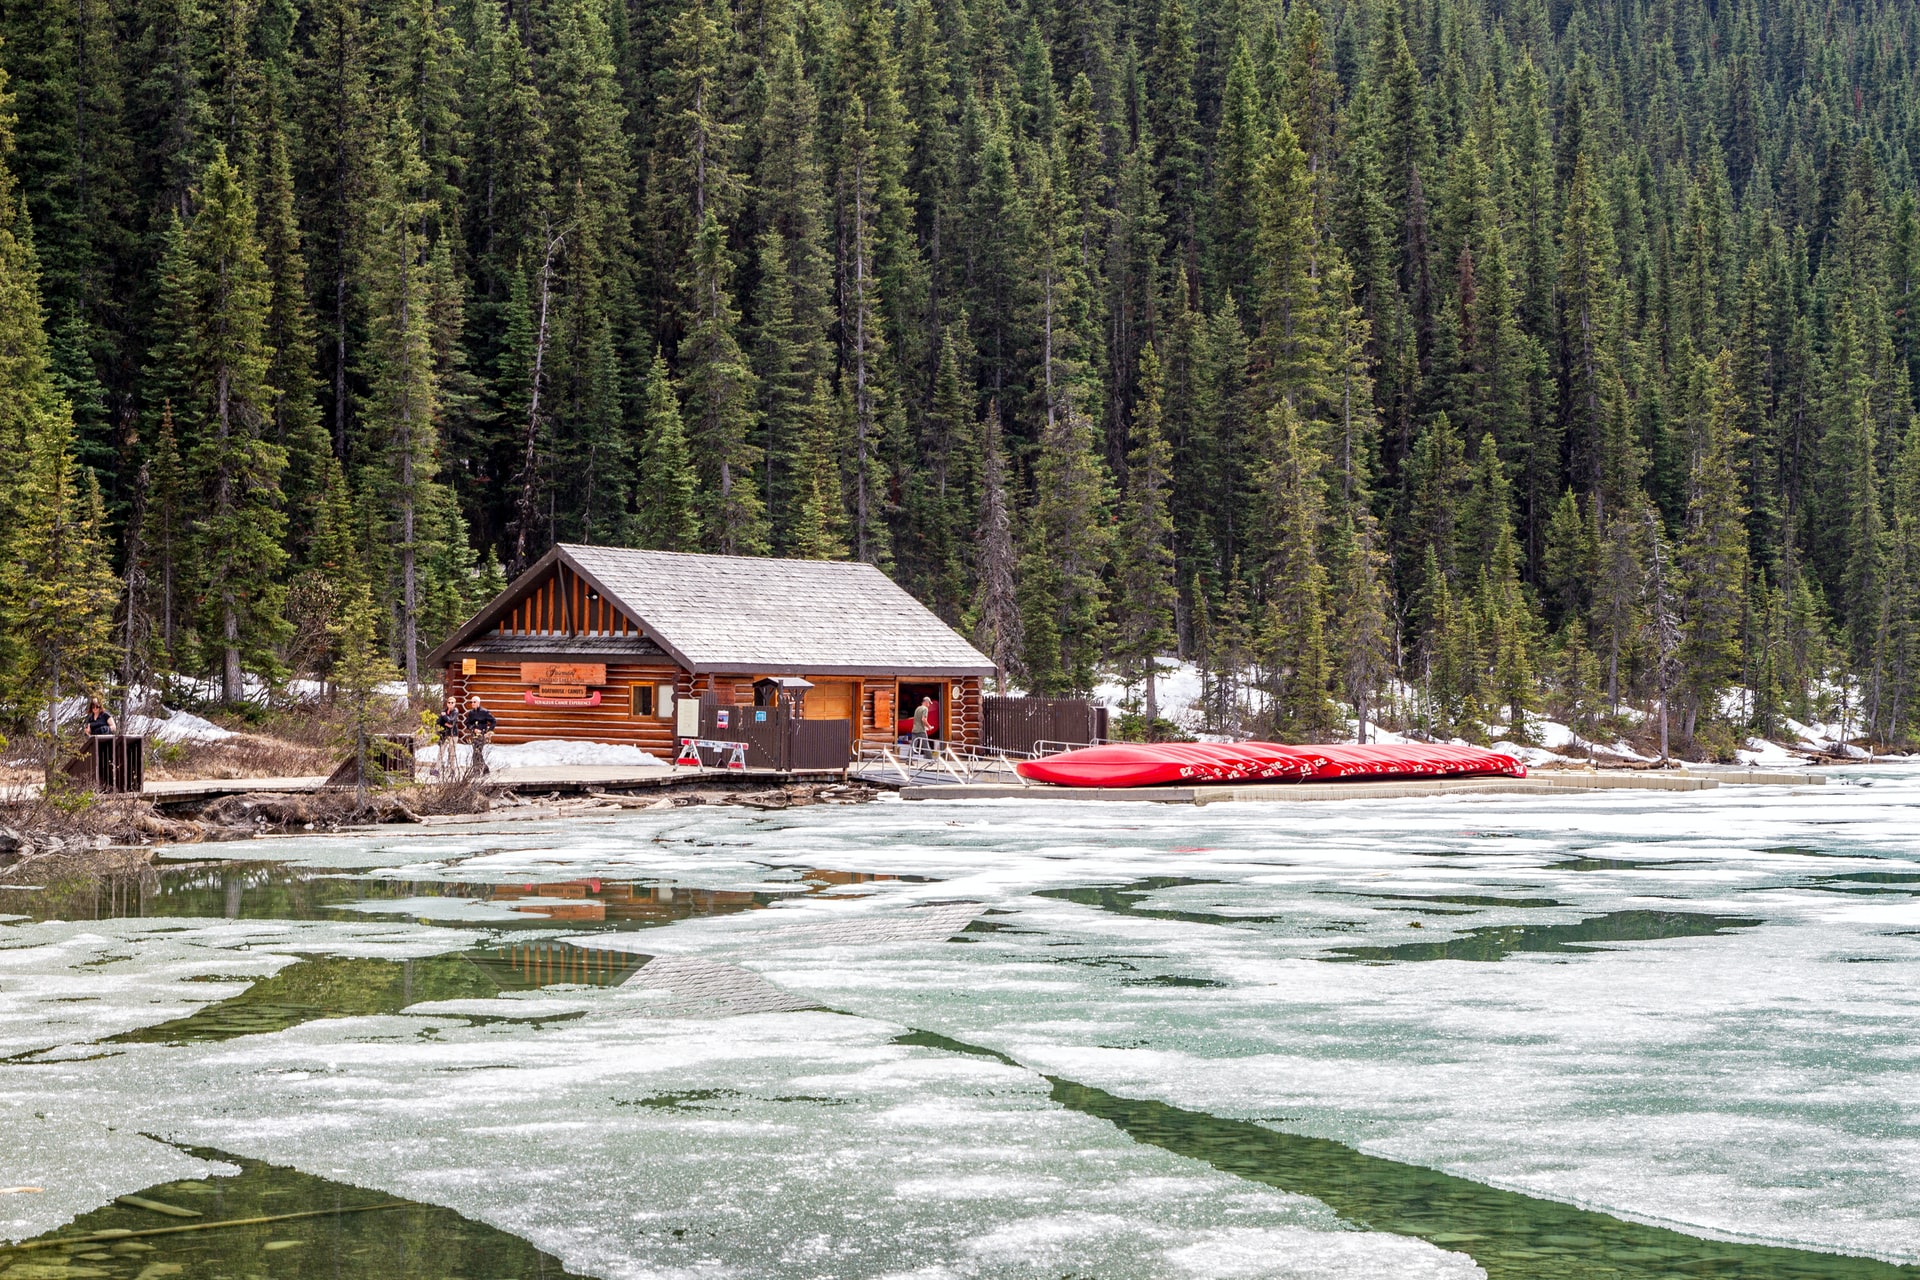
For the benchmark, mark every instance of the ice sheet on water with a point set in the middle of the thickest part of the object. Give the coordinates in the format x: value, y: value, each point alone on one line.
x: 772, y: 1143
x: 1755, y: 1083
x: 79, y: 1164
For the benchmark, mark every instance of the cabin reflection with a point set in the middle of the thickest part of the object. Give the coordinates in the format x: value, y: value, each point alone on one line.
x: 528, y: 966
x: 274, y: 891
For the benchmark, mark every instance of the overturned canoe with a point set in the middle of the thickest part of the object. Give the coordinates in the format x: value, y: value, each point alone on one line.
x: 1145, y: 764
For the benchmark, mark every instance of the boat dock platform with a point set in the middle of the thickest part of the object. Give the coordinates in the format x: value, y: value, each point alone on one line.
x: 1555, y: 782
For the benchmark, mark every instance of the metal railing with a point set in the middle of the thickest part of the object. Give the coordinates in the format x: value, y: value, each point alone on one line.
x: 943, y: 762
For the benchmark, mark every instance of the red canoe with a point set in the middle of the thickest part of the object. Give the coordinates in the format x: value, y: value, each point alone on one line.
x: 1145, y: 764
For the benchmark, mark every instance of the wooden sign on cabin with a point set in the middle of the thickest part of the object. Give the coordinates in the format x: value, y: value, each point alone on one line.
x: 563, y: 684
x: 563, y: 674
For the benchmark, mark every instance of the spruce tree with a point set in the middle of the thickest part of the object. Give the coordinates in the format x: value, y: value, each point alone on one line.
x: 1712, y: 557
x: 666, y: 514
x: 1360, y: 604
x: 716, y: 391
x: 1293, y: 641
x: 1063, y: 592
x: 819, y: 528
x: 1144, y: 593
x: 214, y: 347
x: 403, y: 389
x: 57, y: 590
x: 995, y: 620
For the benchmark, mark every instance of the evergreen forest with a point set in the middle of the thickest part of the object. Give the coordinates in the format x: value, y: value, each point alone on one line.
x: 1448, y: 363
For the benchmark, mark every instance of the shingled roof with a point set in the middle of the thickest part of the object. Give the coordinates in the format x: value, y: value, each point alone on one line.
x: 749, y: 615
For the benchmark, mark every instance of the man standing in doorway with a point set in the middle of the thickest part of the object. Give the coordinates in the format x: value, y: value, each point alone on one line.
x: 923, y: 724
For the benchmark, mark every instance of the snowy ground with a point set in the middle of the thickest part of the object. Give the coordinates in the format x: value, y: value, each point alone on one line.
x: 1551, y: 742
x: 547, y: 753
x: 1757, y: 1083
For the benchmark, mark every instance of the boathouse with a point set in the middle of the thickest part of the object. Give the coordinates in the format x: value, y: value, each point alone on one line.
x: 610, y: 644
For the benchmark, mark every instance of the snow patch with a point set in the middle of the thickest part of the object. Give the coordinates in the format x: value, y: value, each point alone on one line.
x: 547, y: 753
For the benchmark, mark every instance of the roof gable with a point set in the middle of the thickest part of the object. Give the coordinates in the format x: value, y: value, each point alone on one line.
x: 743, y: 614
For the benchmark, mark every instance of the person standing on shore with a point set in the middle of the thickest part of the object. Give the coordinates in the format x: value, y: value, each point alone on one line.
x: 451, y: 723
x: 479, y: 728
x: 99, y: 721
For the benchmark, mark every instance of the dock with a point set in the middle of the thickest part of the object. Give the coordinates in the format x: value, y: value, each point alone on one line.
x: 1567, y: 782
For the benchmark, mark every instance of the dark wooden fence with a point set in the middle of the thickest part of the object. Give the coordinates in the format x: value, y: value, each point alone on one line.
x: 775, y: 737
x: 1017, y: 724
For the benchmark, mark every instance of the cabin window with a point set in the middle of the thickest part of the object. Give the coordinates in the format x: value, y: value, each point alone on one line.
x: 650, y: 700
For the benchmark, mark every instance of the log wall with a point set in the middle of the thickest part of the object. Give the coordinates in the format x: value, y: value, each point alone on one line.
x: 499, y: 686
x: 498, y: 683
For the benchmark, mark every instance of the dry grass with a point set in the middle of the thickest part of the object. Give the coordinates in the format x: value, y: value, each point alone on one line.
x: 249, y: 755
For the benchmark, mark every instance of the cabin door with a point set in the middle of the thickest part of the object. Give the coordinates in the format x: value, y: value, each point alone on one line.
x: 910, y: 694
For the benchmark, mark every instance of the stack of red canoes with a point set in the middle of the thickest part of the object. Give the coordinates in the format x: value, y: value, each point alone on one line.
x: 1143, y: 764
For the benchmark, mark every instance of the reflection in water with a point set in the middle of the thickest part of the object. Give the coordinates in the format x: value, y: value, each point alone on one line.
x: 340, y: 987
x: 1462, y: 899
x: 1495, y: 942
x: 271, y: 1221
x: 1869, y: 882
x: 1512, y: 1236
x: 1125, y: 900
x: 276, y: 891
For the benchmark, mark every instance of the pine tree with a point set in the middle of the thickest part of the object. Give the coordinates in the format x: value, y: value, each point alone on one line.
x: 819, y: 530
x: 290, y: 335
x: 214, y: 348
x: 1173, y: 119
x: 1360, y: 604
x: 403, y: 389
x: 1712, y: 557
x: 1291, y: 357
x: 1294, y: 624
x: 1586, y: 291
x: 1238, y: 151
x: 1063, y: 594
x: 692, y: 174
x: 57, y: 591
x: 339, y: 135
x: 1144, y: 594
x: 716, y: 391
x: 167, y: 527
x: 995, y: 617
x: 359, y: 671
x: 666, y: 507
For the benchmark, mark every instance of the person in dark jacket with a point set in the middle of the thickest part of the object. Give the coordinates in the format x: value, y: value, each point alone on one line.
x: 480, y: 721
x: 480, y: 727
x: 99, y: 723
x: 451, y: 724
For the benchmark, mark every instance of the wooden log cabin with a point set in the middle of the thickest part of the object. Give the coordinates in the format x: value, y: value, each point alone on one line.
x: 601, y: 644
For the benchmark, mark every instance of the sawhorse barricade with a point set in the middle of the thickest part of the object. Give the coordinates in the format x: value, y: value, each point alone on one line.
x: 690, y: 749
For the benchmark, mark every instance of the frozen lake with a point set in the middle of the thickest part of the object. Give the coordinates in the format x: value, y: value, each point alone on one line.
x: 1615, y: 1035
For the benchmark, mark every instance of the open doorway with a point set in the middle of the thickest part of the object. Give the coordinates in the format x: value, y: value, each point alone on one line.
x: 911, y: 692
